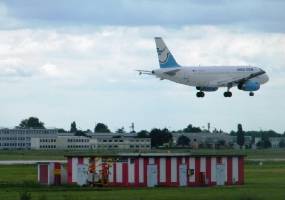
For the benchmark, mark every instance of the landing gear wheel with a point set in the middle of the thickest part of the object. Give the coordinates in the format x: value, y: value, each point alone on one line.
x: 227, y: 94
x: 200, y: 94
x: 251, y: 94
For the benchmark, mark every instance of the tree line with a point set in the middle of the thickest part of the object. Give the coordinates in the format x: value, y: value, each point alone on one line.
x: 159, y: 137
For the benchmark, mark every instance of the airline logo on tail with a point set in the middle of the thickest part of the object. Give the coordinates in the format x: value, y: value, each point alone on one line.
x: 166, y: 59
x: 162, y: 55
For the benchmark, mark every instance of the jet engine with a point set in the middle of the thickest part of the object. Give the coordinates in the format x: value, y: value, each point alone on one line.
x: 249, y: 86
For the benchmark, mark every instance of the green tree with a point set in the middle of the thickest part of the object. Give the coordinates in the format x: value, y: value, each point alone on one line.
x: 101, y: 128
x: 32, y: 122
x: 192, y: 129
x: 80, y: 133
x: 142, y: 134
x: 73, y: 128
x: 121, y: 130
x: 61, y: 130
x: 183, y: 141
x: 265, y: 140
x: 160, y: 137
x: 221, y: 143
x: 282, y: 144
x: 240, y: 136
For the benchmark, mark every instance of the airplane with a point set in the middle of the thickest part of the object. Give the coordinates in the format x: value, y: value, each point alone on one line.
x: 206, y: 78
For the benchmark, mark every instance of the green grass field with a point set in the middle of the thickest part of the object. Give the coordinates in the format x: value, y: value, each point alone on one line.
x: 59, y: 155
x: 262, y: 182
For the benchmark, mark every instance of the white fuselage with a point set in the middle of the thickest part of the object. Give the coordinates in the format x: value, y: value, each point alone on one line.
x: 209, y: 76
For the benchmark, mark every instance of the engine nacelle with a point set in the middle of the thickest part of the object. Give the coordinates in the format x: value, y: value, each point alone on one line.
x: 207, y: 89
x: 249, y: 86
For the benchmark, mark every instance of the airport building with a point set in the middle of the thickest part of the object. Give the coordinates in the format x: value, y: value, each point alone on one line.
x: 85, y: 143
x: 50, y: 139
x: 210, y: 140
x: 277, y: 142
x: 155, y: 169
x: 21, y: 138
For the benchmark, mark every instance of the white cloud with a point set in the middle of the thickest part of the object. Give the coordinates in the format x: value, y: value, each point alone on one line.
x: 95, y: 66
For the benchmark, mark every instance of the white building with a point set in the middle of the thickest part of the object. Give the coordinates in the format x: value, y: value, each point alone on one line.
x: 70, y: 142
x: 21, y: 138
x: 275, y: 141
x: 210, y: 140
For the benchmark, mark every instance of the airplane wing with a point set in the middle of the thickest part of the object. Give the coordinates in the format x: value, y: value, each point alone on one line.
x: 235, y: 81
x: 145, y: 72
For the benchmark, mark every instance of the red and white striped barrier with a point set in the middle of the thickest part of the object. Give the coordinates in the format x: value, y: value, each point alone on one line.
x: 168, y: 170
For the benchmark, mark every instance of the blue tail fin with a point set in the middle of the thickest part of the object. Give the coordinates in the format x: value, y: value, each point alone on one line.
x: 166, y: 59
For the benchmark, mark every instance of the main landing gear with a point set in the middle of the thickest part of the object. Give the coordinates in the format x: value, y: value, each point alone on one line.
x: 200, y: 94
x: 227, y: 94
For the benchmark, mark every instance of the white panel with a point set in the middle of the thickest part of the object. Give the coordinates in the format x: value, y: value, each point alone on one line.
x: 51, y: 173
x: 86, y: 161
x: 98, y: 164
x: 162, y: 171
x: 119, y: 172
x: 203, y: 164
x: 151, y: 161
x: 173, y: 170
x: 111, y: 174
x: 74, y: 169
x: 224, y: 161
x: 213, y: 169
x: 192, y: 166
x: 183, y: 160
x: 151, y: 175
x: 141, y: 174
x: 235, y: 169
x: 131, y: 171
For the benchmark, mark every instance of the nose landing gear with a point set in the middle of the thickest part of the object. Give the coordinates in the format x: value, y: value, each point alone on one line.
x: 251, y: 94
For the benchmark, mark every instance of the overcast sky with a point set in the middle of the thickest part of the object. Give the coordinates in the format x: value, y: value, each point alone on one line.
x: 75, y: 60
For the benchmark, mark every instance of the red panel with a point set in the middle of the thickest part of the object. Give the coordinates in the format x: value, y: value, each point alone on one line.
x: 136, y: 171
x: 208, y: 170
x: 197, y: 171
x: 229, y: 170
x: 168, y: 171
x: 240, y: 170
x: 80, y: 160
x: 178, y: 163
x: 125, y: 174
x: 145, y: 163
x: 157, y: 162
x: 57, y: 173
x: 69, y: 170
x: 44, y: 173
x: 57, y: 166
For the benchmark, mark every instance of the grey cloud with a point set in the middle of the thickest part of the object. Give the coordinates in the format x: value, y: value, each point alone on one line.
x: 261, y: 15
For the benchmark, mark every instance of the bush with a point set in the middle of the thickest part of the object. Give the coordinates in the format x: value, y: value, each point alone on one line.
x: 25, y: 196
